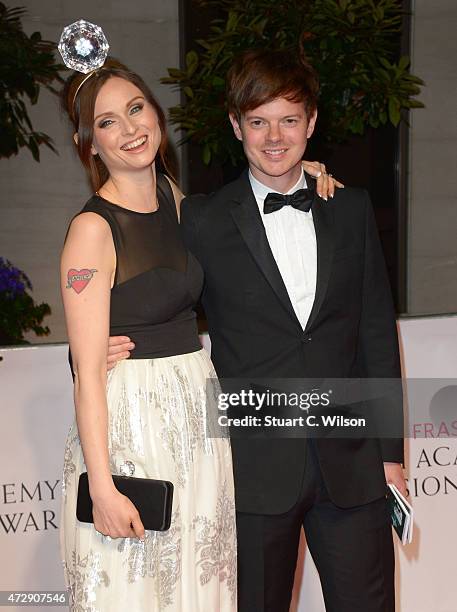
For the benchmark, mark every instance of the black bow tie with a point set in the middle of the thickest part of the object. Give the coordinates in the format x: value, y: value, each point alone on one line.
x: 301, y: 199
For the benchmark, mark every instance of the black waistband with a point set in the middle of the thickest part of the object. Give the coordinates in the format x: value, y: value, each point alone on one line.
x: 164, y: 340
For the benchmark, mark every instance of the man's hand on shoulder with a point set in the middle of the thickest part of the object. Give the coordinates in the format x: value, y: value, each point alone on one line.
x: 394, y: 475
x: 119, y: 348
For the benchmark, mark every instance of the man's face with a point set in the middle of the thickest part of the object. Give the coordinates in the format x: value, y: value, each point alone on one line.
x: 274, y: 137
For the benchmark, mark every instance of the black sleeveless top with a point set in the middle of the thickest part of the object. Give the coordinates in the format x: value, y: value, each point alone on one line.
x: 157, y: 281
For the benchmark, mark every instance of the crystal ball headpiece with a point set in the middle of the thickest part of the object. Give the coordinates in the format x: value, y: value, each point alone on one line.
x: 83, y: 46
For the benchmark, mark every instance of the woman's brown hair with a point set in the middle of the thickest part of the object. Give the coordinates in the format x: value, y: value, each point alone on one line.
x: 80, y: 110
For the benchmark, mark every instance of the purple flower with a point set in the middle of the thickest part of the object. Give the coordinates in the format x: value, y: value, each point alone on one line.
x: 13, y: 282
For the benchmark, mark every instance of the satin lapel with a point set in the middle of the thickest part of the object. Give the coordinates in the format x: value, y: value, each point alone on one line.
x: 323, y: 217
x: 246, y: 216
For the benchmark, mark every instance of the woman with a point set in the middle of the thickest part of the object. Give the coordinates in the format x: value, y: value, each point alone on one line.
x: 126, y: 272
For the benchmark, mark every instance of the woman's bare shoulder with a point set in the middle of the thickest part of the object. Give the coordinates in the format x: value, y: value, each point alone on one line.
x: 88, y: 226
x: 177, y: 194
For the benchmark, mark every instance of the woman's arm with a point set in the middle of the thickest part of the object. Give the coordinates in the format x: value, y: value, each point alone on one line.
x: 87, y: 270
x: 325, y: 184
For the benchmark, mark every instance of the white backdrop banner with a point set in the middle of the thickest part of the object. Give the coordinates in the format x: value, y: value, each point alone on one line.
x: 37, y: 409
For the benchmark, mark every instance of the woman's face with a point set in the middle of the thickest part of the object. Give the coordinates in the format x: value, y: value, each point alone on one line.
x: 126, y: 129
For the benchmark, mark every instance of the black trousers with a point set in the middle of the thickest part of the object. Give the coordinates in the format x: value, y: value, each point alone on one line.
x: 352, y: 549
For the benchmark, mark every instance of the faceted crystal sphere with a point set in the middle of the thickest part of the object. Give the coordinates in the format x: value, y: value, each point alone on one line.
x: 83, y: 46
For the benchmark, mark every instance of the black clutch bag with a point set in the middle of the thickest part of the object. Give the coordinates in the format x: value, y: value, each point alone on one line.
x: 152, y: 498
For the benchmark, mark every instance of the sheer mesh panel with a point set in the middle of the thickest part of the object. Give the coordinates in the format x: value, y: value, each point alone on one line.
x: 143, y: 241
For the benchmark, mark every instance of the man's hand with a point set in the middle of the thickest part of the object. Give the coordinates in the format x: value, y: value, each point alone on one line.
x: 326, y: 184
x: 119, y: 347
x: 394, y: 475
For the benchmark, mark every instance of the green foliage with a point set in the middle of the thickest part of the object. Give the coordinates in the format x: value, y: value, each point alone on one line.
x: 26, y: 63
x: 353, y: 45
x: 18, y: 311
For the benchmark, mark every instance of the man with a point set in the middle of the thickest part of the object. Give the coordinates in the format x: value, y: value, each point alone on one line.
x: 297, y: 288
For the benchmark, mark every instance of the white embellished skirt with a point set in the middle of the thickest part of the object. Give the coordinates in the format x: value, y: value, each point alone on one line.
x: 158, y: 428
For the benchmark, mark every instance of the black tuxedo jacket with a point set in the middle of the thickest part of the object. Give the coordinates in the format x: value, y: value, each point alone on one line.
x: 254, y: 331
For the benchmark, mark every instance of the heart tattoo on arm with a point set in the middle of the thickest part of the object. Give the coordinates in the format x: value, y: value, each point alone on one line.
x: 79, y: 279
